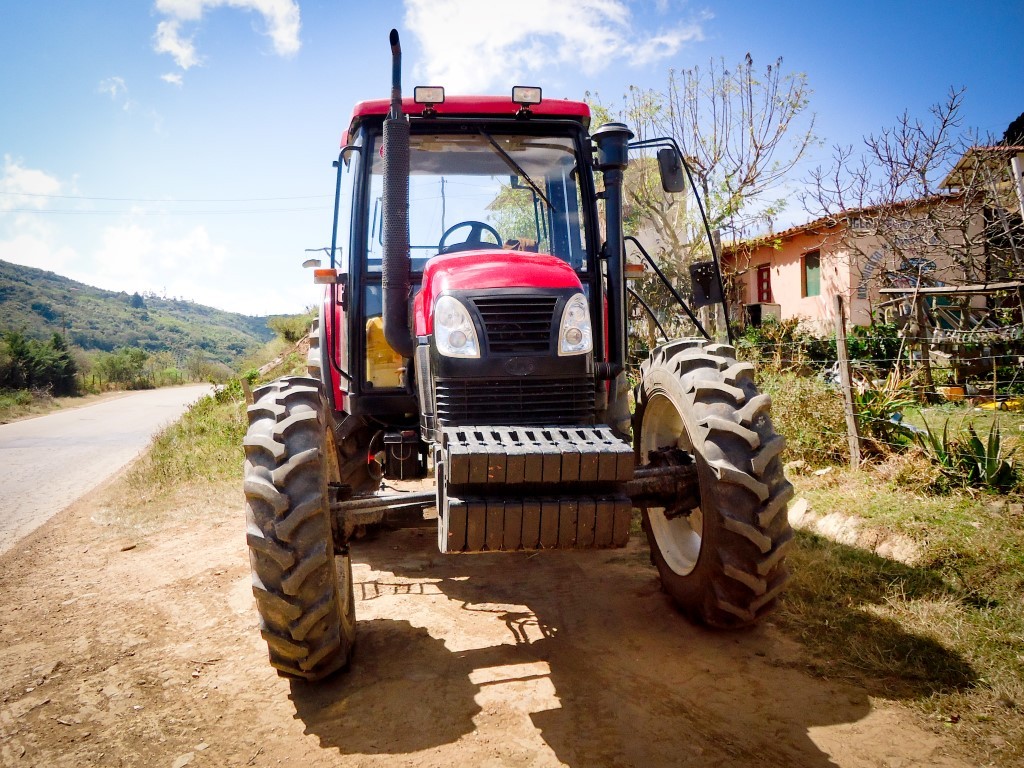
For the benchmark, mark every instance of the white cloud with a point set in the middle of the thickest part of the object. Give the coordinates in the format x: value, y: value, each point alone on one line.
x: 470, y: 46
x: 36, y: 245
x: 114, y: 87
x: 27, y: 238
x: 663, y: 44
x: 132, y: 257
x: 282, y: 19
x: 167, y: 39
x: 174, y: 78
x: 133, y: 254
x: 22, y: 187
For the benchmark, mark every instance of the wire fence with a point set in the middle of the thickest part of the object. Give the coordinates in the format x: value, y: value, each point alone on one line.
x: 891, y: 377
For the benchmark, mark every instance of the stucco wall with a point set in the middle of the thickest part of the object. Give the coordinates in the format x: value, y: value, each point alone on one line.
x: 852, y: 263
x: 786, y: 274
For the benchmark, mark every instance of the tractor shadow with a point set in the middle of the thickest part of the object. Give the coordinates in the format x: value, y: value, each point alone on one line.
x: 589, y: 655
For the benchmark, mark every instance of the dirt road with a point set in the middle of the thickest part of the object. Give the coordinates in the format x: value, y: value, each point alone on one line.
x: 50, y: 461
x: 124, y: 649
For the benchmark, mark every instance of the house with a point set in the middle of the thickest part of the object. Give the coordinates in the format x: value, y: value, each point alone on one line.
x: 798, y: 273
x: 985, y: 167
x: 970, y: 234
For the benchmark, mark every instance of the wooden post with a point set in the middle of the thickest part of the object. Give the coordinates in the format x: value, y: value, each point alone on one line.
x: 852, y: 432
x: 247, y: 390
x: 704, y: 316
x: 995, y: 380
x: 928, y: 387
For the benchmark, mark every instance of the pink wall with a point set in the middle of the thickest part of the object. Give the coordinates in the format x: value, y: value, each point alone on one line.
x: 786, y: 270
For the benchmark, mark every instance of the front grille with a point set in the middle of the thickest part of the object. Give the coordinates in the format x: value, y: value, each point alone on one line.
x: 533, y: 401
x: 517, y: 324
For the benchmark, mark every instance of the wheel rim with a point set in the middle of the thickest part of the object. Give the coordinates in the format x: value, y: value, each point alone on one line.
x: 678, y: 538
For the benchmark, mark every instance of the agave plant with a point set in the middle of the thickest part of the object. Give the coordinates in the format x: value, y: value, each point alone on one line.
x: 967, y: 459
x: 938, y: 449
x: 989, y: 468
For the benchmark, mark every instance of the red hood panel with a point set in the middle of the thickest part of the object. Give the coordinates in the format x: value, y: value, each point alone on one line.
x: 479, y: 270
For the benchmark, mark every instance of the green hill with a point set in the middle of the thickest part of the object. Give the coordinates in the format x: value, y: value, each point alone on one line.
x: 38, y: 303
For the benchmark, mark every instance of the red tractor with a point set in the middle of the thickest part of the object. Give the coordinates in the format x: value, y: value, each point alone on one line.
x: 474, y: 328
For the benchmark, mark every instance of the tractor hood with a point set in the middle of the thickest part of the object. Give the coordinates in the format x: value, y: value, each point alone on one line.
x: 485, y: 270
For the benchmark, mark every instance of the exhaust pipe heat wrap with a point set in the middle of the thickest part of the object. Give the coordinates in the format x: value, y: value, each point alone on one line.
x: 396, y: 265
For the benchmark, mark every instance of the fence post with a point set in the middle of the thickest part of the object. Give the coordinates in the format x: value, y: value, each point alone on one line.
x: 928, y: 387
x: 246, y: 390
x: 852, y: 433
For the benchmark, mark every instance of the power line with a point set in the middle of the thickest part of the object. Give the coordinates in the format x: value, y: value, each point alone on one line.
x: 166, y: 200
x: 205, y: 212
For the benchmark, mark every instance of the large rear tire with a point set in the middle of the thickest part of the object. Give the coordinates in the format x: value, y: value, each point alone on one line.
x: 722, y: 562
x: 303, y: 590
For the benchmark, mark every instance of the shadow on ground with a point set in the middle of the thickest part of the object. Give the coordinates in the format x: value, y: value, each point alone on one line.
x: 629, y: 681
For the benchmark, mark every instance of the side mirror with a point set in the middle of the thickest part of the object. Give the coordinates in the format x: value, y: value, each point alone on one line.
x: 314, y: 263
x: 673, y: 179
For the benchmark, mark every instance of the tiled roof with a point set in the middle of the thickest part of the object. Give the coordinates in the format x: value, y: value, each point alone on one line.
x: 831, y: 222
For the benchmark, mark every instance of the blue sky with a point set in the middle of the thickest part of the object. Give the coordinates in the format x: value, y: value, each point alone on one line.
x: 185, y: 146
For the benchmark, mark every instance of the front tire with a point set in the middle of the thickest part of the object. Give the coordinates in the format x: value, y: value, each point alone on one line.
x: 722, y: 562
x: 303, y: 590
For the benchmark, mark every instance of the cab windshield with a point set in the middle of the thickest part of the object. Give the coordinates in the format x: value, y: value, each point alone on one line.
x: 475, y: 191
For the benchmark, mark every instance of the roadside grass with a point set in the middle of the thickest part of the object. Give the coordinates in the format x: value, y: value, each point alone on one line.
x: 292, y: 364
x: 205, y: 445
x: 944, y: 634
x: 18, y: 404
x: 276, y: 346
x: 199, y: 455
x: 15, y: 403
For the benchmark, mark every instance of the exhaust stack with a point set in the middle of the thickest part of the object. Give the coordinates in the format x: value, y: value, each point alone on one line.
x: 396, y: 265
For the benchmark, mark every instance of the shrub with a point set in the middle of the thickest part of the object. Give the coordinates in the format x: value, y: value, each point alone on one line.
x: 878, y: 344
x: 809, y: 414
x: 291, y: 328
x: 784, y: 345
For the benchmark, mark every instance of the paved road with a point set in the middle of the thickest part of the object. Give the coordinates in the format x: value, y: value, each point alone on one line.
x: 48, y: 462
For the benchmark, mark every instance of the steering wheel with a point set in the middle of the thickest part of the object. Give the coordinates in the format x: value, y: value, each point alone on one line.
x: 473, y: 241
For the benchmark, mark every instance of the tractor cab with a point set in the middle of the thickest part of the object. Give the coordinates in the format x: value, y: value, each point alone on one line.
x: 501, y: 220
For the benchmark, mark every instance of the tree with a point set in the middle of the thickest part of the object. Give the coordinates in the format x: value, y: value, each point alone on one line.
x: 742, y: 132
x: 29, y: 363
x: 15, y: 365
x: 125, y: 366
x: 1014, y: 133
x: 63, y: 368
